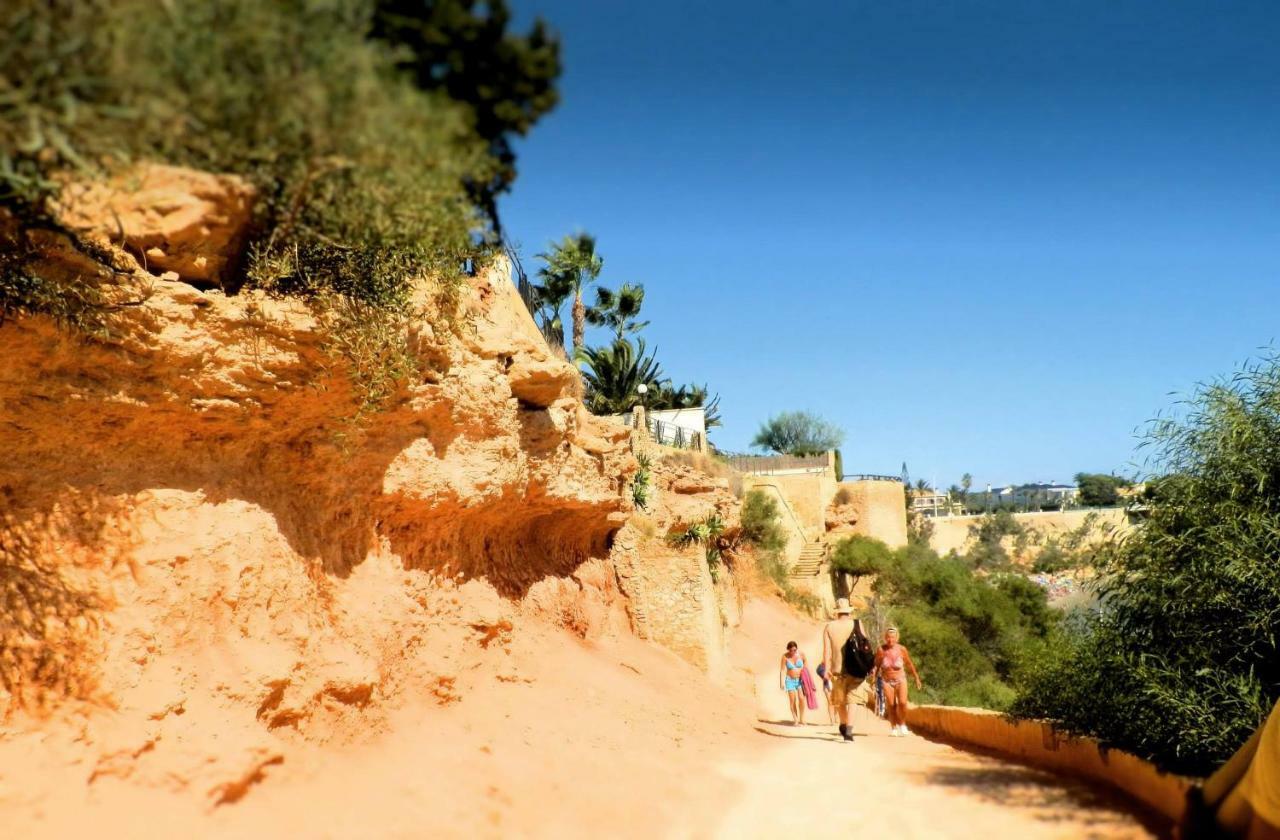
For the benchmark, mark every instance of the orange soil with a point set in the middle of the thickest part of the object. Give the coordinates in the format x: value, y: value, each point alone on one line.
x: 554, y: 736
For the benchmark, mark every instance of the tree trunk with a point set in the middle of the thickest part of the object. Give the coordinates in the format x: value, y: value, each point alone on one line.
x: 579, y: 320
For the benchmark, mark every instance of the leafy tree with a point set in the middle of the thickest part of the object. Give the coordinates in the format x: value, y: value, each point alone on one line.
x: 798, y: 433
x: 573, y: 261
x: 988, y: 534
x: 1099, y: 490
x: 966, y: 482
x: 619, y: 311
x: 859, y: 556
x: 1191, y: 599
x: 463, y: 48
x: 1052, y: 558
x: 969, y: 633
x: 613, y: 375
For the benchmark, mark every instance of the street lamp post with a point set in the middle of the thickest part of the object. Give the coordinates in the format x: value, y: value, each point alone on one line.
x: 638, y: 412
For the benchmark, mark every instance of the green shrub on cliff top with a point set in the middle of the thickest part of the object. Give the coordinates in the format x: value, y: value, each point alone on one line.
x: 361, y: 172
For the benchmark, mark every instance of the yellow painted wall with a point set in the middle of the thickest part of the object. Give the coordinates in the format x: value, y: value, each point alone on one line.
x: 1038, y: 743
x: 880, y: 505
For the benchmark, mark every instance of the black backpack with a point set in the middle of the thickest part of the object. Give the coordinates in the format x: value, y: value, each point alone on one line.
x: 856, y: 654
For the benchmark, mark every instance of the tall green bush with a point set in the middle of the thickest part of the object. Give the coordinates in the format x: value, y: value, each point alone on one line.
x: 762, y: 522
x: 971, y: 634
x: 988, y: 533
x: 362, y: 173
x: 1181, y: 660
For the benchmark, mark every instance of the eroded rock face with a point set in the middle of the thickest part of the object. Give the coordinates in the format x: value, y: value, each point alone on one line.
x: 169, y: 218
x: 842, y: 519
x: 203, y: 558
x: 672, y: 595
x: 484, y: 466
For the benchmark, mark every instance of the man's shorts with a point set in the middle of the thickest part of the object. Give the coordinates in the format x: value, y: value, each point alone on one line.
x: 844, y: 688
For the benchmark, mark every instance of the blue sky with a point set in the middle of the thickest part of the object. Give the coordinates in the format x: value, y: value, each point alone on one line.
x: 982, y: 237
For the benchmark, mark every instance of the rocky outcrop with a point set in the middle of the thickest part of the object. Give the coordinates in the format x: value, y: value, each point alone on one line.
x: 170, y: 219
x: 842, y: 518
x: 201, y: 530
x: 671, y: 593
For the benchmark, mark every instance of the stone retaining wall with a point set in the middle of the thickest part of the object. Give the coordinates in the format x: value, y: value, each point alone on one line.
x: 1037, y: 743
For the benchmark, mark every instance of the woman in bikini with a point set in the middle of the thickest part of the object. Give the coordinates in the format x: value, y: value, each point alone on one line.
x: 789, y: 678
x: 892, y: 660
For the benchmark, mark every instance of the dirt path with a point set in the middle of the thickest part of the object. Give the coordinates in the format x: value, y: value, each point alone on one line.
x: 920, y: 788
x: 611, y: 738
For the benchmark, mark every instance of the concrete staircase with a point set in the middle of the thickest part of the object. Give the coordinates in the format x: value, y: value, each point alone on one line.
x: 811, y: 559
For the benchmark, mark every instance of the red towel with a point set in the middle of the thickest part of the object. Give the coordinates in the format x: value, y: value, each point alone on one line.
x: 806, y: 685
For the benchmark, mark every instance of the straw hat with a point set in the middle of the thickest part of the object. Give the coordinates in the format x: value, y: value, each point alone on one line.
x: 843, y: 606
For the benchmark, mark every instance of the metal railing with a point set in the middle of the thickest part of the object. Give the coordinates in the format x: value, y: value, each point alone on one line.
x: 667, y: 434
x: 777, y: 491
x: 870, y: 477
x: 529, y: 294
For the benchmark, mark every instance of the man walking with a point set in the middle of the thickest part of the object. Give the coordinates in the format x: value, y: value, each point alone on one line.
x: 845, y: 676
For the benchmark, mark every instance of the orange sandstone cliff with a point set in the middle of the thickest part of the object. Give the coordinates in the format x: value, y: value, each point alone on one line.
x: 215, y: 560
x: 194, y: 525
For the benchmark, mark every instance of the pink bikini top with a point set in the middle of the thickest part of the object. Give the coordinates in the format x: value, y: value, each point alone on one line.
x: 891, y: 658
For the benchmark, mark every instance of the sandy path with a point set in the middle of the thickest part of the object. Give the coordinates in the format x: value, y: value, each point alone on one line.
x: 612, y: 738
x: 923, y: 789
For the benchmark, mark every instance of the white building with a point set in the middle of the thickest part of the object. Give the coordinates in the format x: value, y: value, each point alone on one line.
x: 683, y: 428
x: 1031, y: 495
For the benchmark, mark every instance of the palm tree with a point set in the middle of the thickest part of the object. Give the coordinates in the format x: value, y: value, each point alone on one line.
x: 573, y: 261
x: 688, y: 396
x: 613, y: 374
x: 551, y: 295
x: 618, y: 310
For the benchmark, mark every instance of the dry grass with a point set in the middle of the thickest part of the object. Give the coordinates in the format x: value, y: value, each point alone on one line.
x: 710, y: 466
